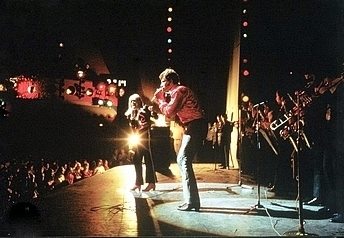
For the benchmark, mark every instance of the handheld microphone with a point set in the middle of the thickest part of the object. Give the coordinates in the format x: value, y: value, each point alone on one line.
x: 153, y: 99
x: 158, y: 90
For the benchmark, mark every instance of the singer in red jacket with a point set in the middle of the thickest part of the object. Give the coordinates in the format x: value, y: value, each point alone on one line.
x: 179, y: 103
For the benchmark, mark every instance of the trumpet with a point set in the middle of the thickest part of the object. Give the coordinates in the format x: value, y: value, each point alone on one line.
x: 303, y: 101
x: 281, y: 121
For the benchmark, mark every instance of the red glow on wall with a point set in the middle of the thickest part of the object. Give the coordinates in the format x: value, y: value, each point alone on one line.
x: 28, y: 88
x: 77, y: 97
x: 111, y: 89
x: 88, y: 92
x: 101, y: 86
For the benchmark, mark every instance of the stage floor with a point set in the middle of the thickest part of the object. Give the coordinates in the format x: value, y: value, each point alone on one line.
x: 103, y: 205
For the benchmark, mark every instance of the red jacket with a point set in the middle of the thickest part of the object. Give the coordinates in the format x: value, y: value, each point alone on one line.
x: 181, y: 102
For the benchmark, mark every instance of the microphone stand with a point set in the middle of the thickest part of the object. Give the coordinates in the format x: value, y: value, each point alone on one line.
x: 257, y: 127
x: 239, y: 149
x: 301, y: 229
x: 240, y: 154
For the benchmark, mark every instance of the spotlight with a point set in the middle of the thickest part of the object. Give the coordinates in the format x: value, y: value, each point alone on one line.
x: 111, y: 89
x: 245, y: 98
x: 31, y: 89
x: 133, y: 140
x: 80, y: 74
x: 70, y: 90
x: 109, y: 103
x: 89, y: 92
x: 100, y: 102
x: 101, y: 86
x: 122, y: 82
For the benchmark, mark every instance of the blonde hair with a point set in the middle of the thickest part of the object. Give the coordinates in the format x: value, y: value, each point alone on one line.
x: 134, y: 97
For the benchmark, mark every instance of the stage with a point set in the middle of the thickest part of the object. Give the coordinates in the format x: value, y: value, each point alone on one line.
x: 103, y: 205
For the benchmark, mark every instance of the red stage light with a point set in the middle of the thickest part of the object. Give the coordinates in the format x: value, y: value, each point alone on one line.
x: 111, y: 89
x: 101, y: 86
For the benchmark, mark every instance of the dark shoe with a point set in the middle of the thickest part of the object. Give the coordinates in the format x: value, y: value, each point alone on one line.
x: 166, y: 172
x: 272, y: 188
x: 313, y: 202
x: 150, y: 186
x: 278, y: 191
x: 189, y: 207
x: 136, y: 187
x: 338, y: 219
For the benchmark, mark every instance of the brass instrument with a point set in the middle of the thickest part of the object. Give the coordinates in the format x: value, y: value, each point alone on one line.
x: 288, y: 123
x: 291, y: 134
x: 281, y: 121
x: 306, y: 100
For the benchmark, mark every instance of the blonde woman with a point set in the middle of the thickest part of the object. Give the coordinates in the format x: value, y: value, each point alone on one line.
x: 140, y: 122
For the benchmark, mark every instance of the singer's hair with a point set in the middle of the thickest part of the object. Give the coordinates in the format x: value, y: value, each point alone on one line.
x: 134, y: 97
x: 170, y: 75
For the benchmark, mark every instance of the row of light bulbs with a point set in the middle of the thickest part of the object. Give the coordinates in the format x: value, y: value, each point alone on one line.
x: 244, y: 33
x: 169, y: 31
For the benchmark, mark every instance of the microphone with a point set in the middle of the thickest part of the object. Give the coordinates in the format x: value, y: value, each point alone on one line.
x: 158, y: 90
x: 259, y: 104
x: 153, y: 98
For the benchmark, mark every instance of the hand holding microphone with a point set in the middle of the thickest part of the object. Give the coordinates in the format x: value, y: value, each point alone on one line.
x: 157, y: 91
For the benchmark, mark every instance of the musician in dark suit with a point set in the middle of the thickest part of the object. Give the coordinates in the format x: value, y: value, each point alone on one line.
x: 283, y: 174
x: 320, y: 127
x: 338, y: 216
x: 227, y: 128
